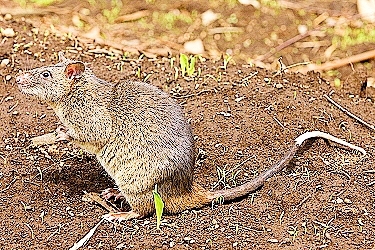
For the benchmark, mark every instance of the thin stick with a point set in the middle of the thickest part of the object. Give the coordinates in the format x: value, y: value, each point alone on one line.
x: 349, y: 114
x: 303, y: 201
x: 9, y: 185
x: 87, y: 237
x: 285, y: 44
x: 278, y: 122
x: 338, y: 63
x: 191, y: 95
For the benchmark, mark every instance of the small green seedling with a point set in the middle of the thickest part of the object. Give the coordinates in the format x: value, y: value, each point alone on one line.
x: 138, y: 72
x: 227, y: 58
x: 159, y: 206
x: 147, y: 77
x: 171, y: 61
x: 187, y: 64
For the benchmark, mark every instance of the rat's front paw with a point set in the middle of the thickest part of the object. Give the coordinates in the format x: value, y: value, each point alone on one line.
x: 61, y: 134
x: 112, y: 193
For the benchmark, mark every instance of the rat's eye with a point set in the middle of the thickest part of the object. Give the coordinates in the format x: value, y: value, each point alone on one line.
x: 46, y: 74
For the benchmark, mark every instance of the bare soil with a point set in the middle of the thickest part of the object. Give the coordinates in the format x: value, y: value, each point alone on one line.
x: 244, y: 119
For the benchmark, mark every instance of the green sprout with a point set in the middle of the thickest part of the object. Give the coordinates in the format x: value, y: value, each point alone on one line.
x: 187, y: 64
x: 159, y: 206
x: 138, y: 72
x: 227, y: 58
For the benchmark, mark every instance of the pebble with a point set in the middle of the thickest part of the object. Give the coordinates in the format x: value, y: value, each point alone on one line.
x: 8, y: 32
x: 339, y: 200
x: 8, y: 17
x: 209, y: 17
x: 347, y: 201
x: 273, y: 240
x: 328, y: 235
x: 4, y: 63
x: 302, y: 29
x: 187, y: 239
x: 279, y: 86
x: 8, y: 77
x: 194, y: 47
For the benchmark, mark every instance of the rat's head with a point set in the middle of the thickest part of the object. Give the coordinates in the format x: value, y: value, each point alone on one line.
x: 51, y: 83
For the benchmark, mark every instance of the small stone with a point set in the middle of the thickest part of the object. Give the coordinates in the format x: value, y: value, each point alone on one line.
x: 235, y: 244
x: 187, y: 239
x: 279, y: 86
x: 302, y: 29
x: 28, y: 207
x: 286, y: 240
x: 8, y: 32
x: 194, y: 47
x: 8, y: 77
x: 84, y: 11
x: 339, y: 200
x: 35, y: 31
x: 4, y: 63
x: 273, y: 240
x: 347, y: 201
x: 121, y: 245
x: 328, y: 235
x: 172, y: 244
x: 209, y: 17
x: 8, y: 17
x: 266, y: 79
x: 15, y: 113
x: 69, y: 211
x: 254, y: 3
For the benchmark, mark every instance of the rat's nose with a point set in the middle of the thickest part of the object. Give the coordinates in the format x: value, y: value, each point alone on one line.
x: 22, y: 78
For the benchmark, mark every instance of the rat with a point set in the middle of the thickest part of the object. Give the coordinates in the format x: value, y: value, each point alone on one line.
x: 139, y: 134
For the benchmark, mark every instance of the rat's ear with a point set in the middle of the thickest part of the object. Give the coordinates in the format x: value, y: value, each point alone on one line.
x: 74, y: 70
x: 62, y: 58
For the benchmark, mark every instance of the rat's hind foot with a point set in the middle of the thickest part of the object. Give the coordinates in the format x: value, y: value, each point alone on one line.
x: 61, y: 134
x: 112, y: 192
x: 120, y: 216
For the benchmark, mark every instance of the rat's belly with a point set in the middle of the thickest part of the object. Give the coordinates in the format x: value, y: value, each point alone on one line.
x: 89, y: 147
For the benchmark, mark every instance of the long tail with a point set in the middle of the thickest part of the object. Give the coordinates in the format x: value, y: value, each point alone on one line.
x: 251, y: 186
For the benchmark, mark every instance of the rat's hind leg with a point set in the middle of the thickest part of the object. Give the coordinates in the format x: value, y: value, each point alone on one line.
x: 142, y: 205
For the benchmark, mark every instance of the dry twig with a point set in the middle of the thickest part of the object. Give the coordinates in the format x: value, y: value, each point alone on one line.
x: 349, y: 113
x: 87, y: 236
x: 337, y: 63
x: 9, y: 185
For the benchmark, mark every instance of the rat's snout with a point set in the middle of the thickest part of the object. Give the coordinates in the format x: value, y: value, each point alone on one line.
x: 23, y: 78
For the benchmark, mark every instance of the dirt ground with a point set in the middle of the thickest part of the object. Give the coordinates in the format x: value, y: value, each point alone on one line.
x: 244, y: 119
